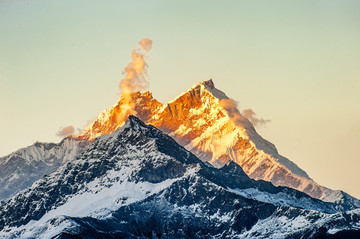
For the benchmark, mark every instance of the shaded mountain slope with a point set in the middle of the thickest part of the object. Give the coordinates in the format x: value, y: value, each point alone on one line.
x: 139, y: 183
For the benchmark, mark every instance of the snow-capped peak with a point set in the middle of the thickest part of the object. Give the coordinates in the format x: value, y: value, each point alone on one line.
x: 207, y: 122
x: 210, y: 86
x: 134, y: 123
x: 134, y: 103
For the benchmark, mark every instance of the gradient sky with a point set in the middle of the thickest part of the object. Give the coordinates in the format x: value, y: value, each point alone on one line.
x: 296, y: 63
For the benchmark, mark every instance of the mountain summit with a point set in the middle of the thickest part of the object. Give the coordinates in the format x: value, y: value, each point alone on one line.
x: 126, y: 178
x: 206, y: 122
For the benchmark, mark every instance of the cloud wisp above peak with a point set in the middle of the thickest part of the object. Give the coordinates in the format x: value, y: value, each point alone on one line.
x: 136, y: 72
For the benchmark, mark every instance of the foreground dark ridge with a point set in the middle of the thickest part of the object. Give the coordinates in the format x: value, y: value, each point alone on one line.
x: 138, y: 182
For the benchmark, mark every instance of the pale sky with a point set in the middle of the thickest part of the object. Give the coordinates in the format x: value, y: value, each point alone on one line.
x: 296, y: 63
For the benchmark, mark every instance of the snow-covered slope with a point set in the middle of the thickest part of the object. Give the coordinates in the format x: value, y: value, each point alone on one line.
x: 341, y: 198
x: 139, y: 183
x: 22, y: 168
x: 206, y: 122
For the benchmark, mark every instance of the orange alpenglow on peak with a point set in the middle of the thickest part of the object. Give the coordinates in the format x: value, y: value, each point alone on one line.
x: 130, y: 103
x: 207, y: 122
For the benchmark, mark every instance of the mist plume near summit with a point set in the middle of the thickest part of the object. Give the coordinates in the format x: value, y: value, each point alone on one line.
x: 136, y: 71
x: 135, y: 78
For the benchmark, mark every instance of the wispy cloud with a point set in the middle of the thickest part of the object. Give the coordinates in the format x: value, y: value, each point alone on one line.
x: 66, y: 131
x: 243, y: 118
x: 250, y: 115
x: 135, y: 72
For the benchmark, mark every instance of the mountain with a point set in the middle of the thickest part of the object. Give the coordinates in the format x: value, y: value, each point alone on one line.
x: 207, y: 123
x: 137, y: 182
x: 22, y: 168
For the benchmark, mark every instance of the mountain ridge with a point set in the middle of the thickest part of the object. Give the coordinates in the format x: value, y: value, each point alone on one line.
x: 206, y: 122
x: 23, y: 167
x: 138, y: 182
x: 197, y: 121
